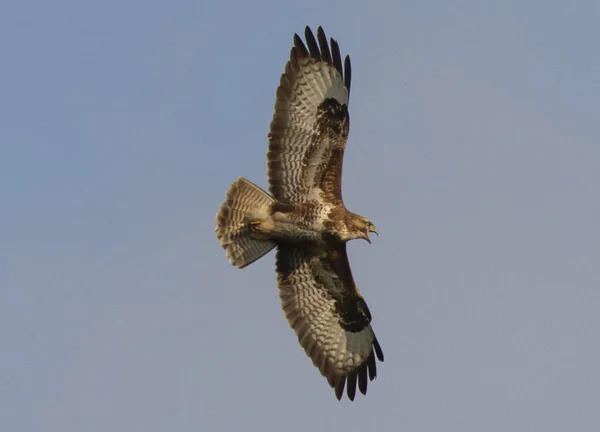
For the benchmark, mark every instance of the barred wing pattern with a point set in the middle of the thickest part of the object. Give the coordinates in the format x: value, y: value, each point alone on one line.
x: 329, y: 315
x: 310, y: 125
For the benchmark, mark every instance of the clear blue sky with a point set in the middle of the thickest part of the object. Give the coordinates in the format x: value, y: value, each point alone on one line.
x: 474, y: 147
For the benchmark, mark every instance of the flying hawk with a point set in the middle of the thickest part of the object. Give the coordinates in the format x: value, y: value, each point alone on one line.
x: 304, y: 217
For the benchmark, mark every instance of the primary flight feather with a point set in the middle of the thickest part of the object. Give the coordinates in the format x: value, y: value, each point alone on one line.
x: 304, y: 217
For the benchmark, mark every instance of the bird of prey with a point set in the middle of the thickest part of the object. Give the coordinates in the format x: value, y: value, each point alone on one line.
x: 304, y: 217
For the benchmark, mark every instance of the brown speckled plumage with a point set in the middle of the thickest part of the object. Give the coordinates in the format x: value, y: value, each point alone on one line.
x: 306, y: 218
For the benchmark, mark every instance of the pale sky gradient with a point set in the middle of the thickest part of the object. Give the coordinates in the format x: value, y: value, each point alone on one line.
x: 474, y: 148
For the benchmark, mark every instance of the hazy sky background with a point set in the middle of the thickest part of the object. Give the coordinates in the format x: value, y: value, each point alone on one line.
x: 474, y: 148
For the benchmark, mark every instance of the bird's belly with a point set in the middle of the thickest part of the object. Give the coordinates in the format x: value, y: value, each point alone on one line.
x: 295, y: 233
x: 299, y: 227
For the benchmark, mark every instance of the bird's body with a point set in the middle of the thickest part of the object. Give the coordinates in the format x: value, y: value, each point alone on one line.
x: 304, y: 217
x: 314, y: 222
x: 304, y: 222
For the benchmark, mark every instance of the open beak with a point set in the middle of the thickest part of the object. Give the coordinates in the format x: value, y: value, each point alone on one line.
x: 373, y: 230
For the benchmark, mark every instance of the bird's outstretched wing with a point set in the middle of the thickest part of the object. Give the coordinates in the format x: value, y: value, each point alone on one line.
x: 329, y: 315
x: 310, y: 125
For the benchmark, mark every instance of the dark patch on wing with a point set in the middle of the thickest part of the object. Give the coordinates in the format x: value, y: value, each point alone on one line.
x: 316, y: 287
x: 291, y: 142
x: 350, y: 305
x: 333, y: 124
x: 333, y: 120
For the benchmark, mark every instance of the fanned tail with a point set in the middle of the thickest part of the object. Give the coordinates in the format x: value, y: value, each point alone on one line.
x: 245, y: 202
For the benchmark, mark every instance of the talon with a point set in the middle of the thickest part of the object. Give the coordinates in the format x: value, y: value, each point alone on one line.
x: 262, y: 225
x: 256, y: 225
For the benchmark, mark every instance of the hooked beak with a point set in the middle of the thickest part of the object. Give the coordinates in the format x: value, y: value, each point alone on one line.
x: 373, y: 230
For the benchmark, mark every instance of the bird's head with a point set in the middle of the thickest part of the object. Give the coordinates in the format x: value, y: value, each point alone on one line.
x: 364, y: 227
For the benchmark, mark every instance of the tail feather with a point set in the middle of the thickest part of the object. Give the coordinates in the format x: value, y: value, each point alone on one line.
x: 245, y: 202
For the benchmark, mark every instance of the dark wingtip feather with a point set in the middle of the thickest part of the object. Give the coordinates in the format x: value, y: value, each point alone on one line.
x: 299, y: 45
x: 378, y: 350
x: 351, y: 384
x: 337, y: 57
x: 347, y: 73
x: 372, y: 367
x: 313, y: 47
x: 325, y: 53
x: 362, y: 378
x: 339, y: 388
